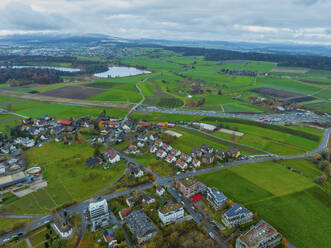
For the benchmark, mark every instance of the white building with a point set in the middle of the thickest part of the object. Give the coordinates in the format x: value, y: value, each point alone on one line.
x: 2, y: 168
x: 262, y: 235
x: 207, y: 127
x: 216, y: 198
x: 171, y: 213
x: 99, y: 214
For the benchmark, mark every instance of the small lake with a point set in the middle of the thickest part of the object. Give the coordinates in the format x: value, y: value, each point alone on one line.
x: 119, y: 71
x: 64, y: 69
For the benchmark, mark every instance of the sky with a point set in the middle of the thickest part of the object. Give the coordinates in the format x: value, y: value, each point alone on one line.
x: 267, y: 21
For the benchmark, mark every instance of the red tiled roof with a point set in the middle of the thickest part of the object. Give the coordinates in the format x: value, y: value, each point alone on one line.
x: 145, y: 123
x: 125, y: 212
x: 196, y: 197
x: 65, y: 122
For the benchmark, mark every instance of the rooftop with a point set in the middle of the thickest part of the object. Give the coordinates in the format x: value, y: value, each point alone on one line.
x: 258, y: 233
x: 170, y: 207
x: 236, y: 209
x: 140, y: 224
x: 189, y: 181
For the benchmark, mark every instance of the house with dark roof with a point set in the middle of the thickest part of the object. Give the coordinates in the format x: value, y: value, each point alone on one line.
x: 233, y: 152
x: 236, y: 215
x: 220, y: 154
x: 148, y: 198
x: 141, y: 226
x: 206, y: 148
x: 262, y: 235
x: 196, y: 153
x: 208, y: 158
x: 110, y: 238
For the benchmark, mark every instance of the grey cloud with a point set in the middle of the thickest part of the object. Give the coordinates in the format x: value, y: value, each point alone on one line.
x: 20, y: 16
x: 237, y: 20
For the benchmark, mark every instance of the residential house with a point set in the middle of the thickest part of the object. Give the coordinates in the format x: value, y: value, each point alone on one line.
x: 220, y: 154
x: 141, y: 144
x: 154, y: 137
x: 181, y: 164
x: 262, y: 235
x: 142, y: 138
x: 148, y: 199
x: 161, y: 153
x: 133, y: 149
x: 175, y: 152
x: 2, y: 168
x: 160, y: 190
x: 2, y: 198
x: 196, y: 153
x: 111, y: 156
x: 216, y: 198
x: 65, y: 122
x: 166, y: 147
x: 110, y: 238
x: 171, y: 213
x: 141, y: 226
x: 188, y: 186
x: 196, y: 162
x: 158, y: 143
x: 144, y: 124
x: 233, y: 152
x: 124, y: 212
x: 153, y: 149
x: 206, y: 149
x: 170, y: 159
x: 185, y: 158
x: 136, y: 171
x: 236, y: 215
x: 208, y: 158
x: 130, y: 201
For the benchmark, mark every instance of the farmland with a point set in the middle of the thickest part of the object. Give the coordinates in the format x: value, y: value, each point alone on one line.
x: 283, y: 198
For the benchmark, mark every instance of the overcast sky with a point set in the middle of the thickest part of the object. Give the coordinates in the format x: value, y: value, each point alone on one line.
x: 300, y: 21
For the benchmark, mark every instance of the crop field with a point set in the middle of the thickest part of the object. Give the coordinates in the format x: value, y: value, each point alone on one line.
x: 68, y: 177
x: 285, y: 199
x: 73, y: 92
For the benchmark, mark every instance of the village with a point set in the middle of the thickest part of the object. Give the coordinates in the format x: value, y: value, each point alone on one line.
x: 143, y: 213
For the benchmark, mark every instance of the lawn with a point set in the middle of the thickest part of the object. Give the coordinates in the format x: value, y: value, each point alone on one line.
x: 68, y: 177
x: 293, y: 204
x: 7, y: 225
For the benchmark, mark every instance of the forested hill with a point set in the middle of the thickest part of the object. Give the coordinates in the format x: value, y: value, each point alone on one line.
x: 313, y: 62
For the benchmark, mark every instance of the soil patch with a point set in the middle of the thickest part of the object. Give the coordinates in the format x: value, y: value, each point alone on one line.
x: 73, y: 92
x: 298, y: 71
x: 315, y: 82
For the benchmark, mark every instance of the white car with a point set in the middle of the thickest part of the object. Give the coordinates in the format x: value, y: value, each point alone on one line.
x: 6, y: 240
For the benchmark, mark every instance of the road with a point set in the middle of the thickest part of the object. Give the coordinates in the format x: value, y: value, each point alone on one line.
x: 137, y: 105
x: 4, y: 111
x: 282, y: 118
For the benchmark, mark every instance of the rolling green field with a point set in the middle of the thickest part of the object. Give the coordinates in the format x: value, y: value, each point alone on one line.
x: 68, y: 177
x: 293, y: 204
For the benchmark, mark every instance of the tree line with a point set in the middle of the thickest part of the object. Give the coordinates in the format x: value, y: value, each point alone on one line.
x: 313, y: 62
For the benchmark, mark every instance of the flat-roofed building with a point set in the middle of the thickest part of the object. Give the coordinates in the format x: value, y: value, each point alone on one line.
x: 217, y: 199
x: 262, y: 235
x: 171, y: 212
x: 141, y: 225
x: 99, y: 214
x: 188, y: 186
x: 237, y: 215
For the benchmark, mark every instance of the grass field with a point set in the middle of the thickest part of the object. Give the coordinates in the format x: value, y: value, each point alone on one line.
x: 7, y: 224
x: 68, y: 177
x: 293, y: 204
